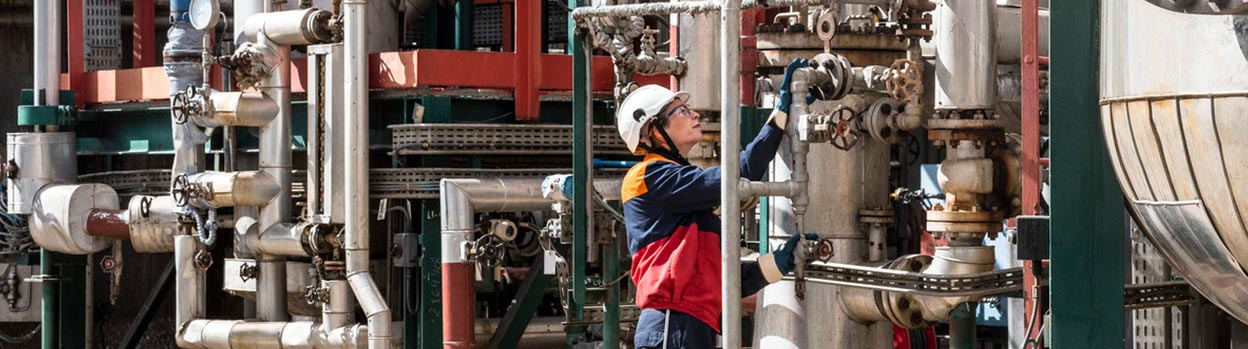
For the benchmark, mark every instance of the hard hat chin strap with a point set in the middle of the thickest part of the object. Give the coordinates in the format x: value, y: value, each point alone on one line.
x: 671, y: 151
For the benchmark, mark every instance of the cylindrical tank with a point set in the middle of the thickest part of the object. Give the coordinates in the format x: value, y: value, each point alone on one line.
x: 699, y: 44
x: 1173, y: 117
x: 966, y: 52
x: 41, y: 159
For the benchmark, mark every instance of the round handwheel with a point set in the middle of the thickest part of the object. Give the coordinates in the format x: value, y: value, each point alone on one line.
x: 179, y: 190
x: 845, y: 131
x: 905, y: 82
x: 178, y: 107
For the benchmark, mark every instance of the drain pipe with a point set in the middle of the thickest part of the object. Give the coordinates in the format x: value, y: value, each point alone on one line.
x: 355, y: 16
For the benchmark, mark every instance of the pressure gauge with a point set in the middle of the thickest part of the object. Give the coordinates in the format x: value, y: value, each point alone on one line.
x: 204, y: 14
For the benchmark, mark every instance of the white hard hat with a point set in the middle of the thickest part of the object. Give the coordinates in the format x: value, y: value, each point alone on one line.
x: 641, y: 107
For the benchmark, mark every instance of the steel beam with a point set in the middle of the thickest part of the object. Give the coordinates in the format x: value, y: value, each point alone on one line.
x: 144, y: 34
x: 463, y: 25
x: 1087, y: 228
x: 582, y: 153
x: 527, y: 59
x: 75, y: 21
x: 1031, y: 151
x: 154, y: 298
x: 523, y: 307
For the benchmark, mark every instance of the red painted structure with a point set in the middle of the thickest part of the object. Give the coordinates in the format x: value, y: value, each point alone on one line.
x: 144, y: 34
x: 1031, y: 156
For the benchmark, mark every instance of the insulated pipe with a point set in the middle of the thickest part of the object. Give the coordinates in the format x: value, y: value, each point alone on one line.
x: 275, y: 160
x: 244, y: 9
x: 339, y: 310
x: 355, y: 28
x: 47, y: 51
x: 730, y: 145
x: 966, y: 42
x: 248, y: 109
x: 296, y: 27
x: 109, y: 223
x: 229, y: 189
x: 229, y: 334
x: 190, y: 288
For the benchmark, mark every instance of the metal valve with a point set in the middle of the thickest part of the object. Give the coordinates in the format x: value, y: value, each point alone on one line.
x: 187, y: 104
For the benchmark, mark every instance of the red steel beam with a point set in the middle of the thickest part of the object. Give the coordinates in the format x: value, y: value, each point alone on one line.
x: 528, y: 59
x: 1031, y: 148
x: 387, y: 70
x: 75, y: 20
x: 144, y: 34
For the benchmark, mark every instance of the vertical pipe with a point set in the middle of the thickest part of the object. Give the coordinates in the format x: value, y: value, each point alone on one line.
x: 582, y: 126
x: 52, y: 71
x: 458, y: 305
x: 275, y: 160
x: 962, y: 326
x: 730, y: 145
x: 355, y: 45
x: 190, y: 281
x: 339, y: 311
x: 611, y: 269
x: 49, y: 301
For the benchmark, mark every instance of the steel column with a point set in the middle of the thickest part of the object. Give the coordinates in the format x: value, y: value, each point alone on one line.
x: 962, y: 326
x: 1031, y: 149
x: 611, y: 274
x: 730, y: 145
x: 51, y: 333
x: 430, y: 311
x: 528, y: 60
x: 582, y: 153
x: 523, y: 307
x: 144, y: 34
x: 75, y: 20
x: 463, y: 25
x: 1087, y: 226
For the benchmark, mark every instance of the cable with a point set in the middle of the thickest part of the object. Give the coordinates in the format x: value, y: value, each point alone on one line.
x: 22, y: 338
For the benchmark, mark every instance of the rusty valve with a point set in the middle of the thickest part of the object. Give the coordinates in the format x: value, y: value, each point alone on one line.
x: 905, y: 82
x: 845, y: 133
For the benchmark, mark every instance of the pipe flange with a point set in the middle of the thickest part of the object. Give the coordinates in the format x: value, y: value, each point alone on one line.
x: 964, y: 221
x: 876, y: 120
x: 965, y: 120
x: 875, y: 216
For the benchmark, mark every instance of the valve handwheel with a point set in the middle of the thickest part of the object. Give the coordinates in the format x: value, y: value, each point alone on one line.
x: 904, y: 83
x: 845, y: 131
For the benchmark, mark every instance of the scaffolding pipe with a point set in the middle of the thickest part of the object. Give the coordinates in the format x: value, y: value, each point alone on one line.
x: 730, y: 144
x: 690, y: 7
x: 355, y: 18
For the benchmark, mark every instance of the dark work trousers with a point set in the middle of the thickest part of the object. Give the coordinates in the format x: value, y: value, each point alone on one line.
x: 682, y: 331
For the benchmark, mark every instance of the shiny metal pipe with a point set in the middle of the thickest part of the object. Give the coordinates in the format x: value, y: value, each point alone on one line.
x: 295, y: 27
x: 47, y: 51
x: 730, y: 145
x: 248, y: 109
x: 230, y: 334
x: 690, y: 7
x: 355, y: 14
x: 229, y: 189
x: 282, y: 239
x: 966, y: 69
x: 275, y: 160
x: 339, y: 311
x: 190, y: 287
x: 751, y: 188
x: 243, y: 10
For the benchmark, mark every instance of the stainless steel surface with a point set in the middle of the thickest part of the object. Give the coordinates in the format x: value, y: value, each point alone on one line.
x: 154, y: 231
x: 47, y: 70
x: 326, y: 201
x: 518, y: 139
x: 730, y: 145
x: 339, y: 310
x: 966, y: 71
x: 42, y: 159
x: 59, y: 219
x: 296, y: 27
x: 275, y: 160
x: 355, y: 46
x: 282, y: 239
x: 248, y: 109
x: 698, y: 43
x: 190, y: 284
x: 233, y: 334
x: 1204, y: 7
x: 1187, y: 237
x: 1008, y: 35
x: 271, y: 288
x: 229, y: 189
x: 663, y: 8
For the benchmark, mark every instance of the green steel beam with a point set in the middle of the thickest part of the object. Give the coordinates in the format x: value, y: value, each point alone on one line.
x: 523, y: 307
x: 582, y: 113
x: 50, y: 301
x: 611, y: 271
x: 962, y: 329
x: 463, y: 25
x: 429, y: 330
x: 1087, y: 230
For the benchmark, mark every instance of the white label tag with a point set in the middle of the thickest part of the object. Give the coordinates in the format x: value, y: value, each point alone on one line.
x: 548, y: 262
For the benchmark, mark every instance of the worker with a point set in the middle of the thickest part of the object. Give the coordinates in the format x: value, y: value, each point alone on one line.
x: 673, y: 232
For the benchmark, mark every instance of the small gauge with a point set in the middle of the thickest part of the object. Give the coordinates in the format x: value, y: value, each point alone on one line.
x: 204, y: 14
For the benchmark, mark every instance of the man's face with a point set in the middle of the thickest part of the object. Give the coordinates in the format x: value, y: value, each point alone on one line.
x: 683, y: 125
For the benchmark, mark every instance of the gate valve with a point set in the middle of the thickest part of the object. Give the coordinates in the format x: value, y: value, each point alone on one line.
x: 186, y: 104
x: 845, y: 132
x: 905, y: 82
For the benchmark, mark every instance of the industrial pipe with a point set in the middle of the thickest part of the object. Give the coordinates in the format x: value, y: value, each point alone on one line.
x: 461, y: 200
x: 275, y: 160
x: 338, y: 309
x: 230, y: 189
x: 212, y: 334
x: 190, y: 287
x: 47, y: 51
x: 285, y: 28
x: 966, y: 70
x: 247, y: 109
x: 730, y: 165
x: 355, y: 17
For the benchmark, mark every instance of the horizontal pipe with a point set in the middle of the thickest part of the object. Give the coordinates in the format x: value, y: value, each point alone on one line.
x: 229, y: 334
x: 230, y: 189
x: 751, y: 188
x: 665, y: 8
x: 109, y: 223
x: 282, y: 239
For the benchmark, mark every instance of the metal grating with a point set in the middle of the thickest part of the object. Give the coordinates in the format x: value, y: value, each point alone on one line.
x: 438, y: 139
x: 487, y: 25
x: 102, y: 34
x: 1152, y: 328
x: 556, y: 23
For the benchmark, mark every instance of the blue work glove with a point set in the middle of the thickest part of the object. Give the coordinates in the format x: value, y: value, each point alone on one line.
x: 786, y: 96
x: 781, y: 262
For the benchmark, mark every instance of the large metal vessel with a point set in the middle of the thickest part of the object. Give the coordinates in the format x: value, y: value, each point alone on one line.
x: 1173, y: 102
